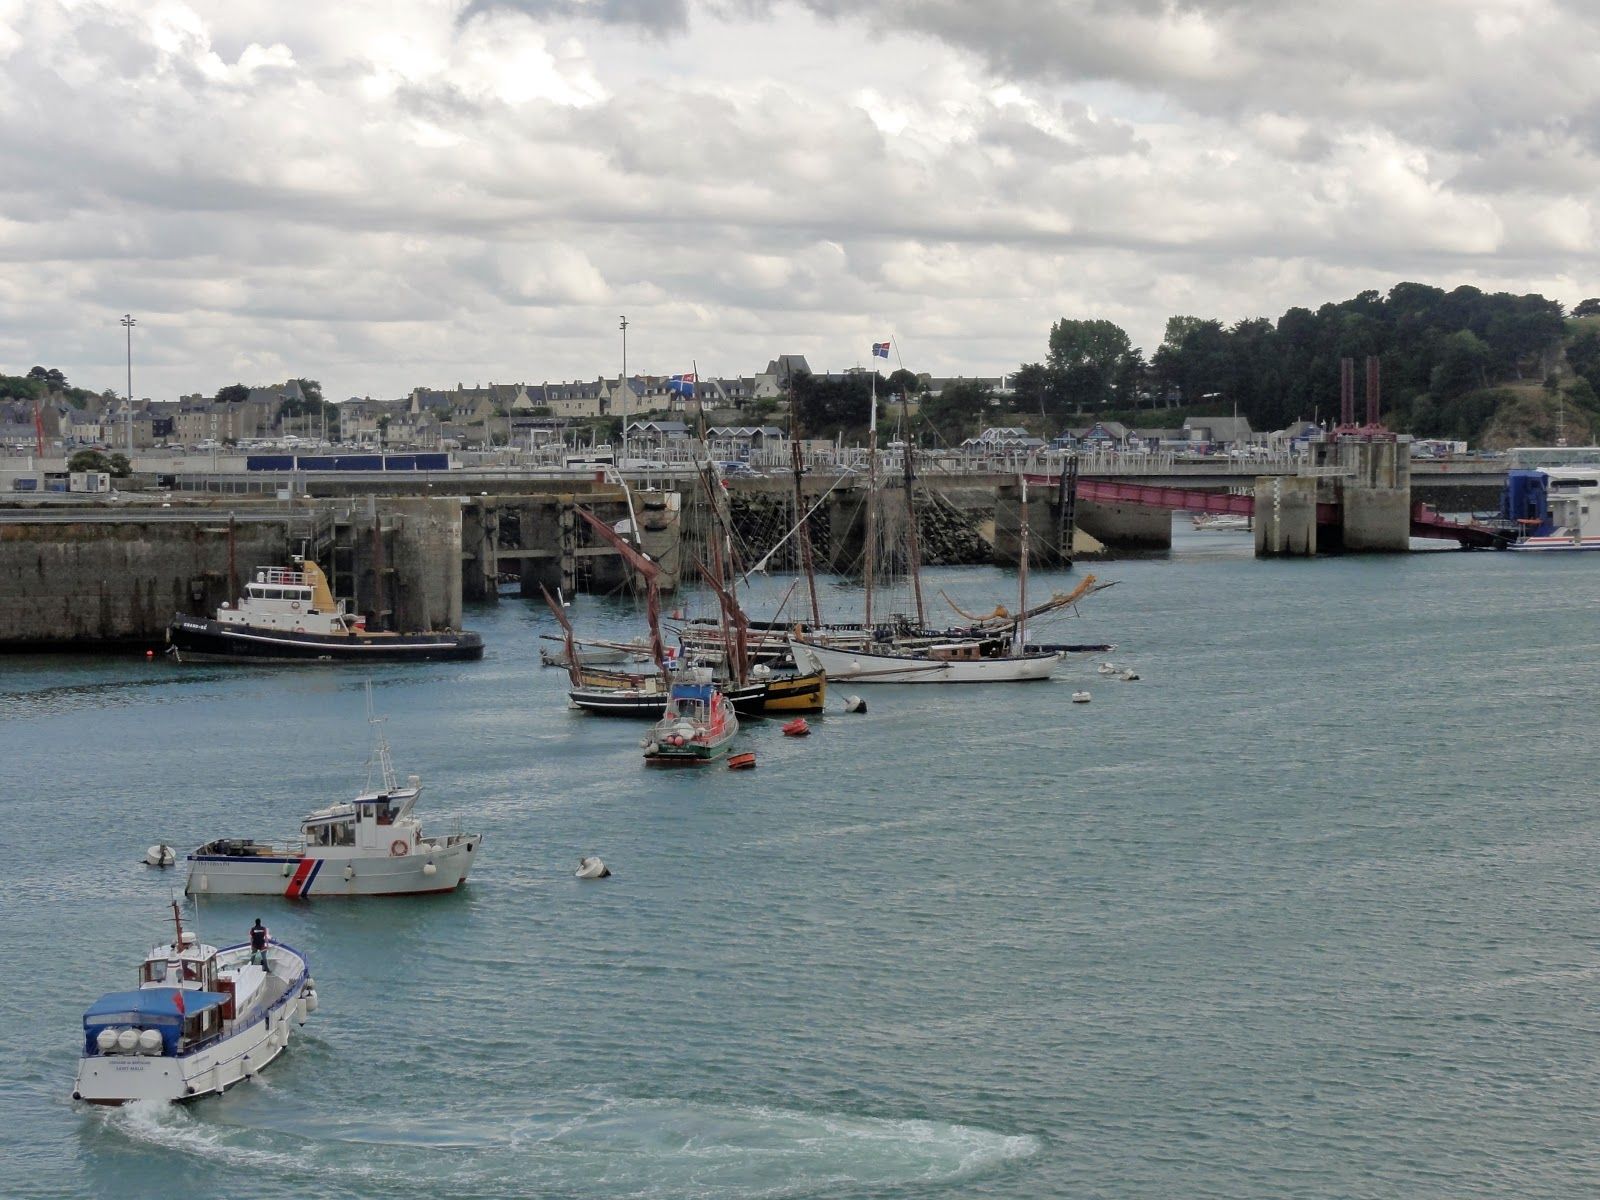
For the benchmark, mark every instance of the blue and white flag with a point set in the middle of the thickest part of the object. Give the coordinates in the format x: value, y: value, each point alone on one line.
x: 682, y: 385
x: 880, y: 349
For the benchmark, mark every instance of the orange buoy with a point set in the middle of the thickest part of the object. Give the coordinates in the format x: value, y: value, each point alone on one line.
x: 796, y: 728
x: 741, y: 762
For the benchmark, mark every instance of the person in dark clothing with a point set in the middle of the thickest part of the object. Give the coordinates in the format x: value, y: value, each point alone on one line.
x: 258, y: 942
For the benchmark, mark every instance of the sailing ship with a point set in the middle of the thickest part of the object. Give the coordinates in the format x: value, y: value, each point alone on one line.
x: 288, y: 614
x: 201, y: 1020
x: 908, y: 653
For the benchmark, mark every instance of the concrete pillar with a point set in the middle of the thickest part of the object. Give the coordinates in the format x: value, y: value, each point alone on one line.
x: 660, y: 516
x: 1286, y: 516
x: 1126, y: 526
x: 1377, y: 496
x: 427, y: 563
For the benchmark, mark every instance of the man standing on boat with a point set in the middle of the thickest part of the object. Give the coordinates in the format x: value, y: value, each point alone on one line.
x: 258, y: 942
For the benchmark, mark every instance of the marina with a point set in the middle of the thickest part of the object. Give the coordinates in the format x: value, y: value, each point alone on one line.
x: 1087, y: 931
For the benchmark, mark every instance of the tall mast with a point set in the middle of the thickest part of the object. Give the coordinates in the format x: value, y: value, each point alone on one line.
x: 804, y: 530
x: 1020, y: 637
x: 869, y: 553
x: 649, y: 570
x: 911, y: 516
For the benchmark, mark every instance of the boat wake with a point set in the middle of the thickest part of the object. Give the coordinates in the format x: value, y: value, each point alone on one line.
x: 574, y: 1147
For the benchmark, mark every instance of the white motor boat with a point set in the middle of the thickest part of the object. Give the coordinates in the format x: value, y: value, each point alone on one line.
x: 369, y: 846
x: 201, y: 1020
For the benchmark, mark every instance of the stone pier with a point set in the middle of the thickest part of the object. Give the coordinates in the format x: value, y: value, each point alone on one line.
x: 1286, y: 516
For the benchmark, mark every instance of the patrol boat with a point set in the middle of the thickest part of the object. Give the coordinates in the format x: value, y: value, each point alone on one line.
x: 288, y: 614
x: 369, y: 846
x: 201, y: 1020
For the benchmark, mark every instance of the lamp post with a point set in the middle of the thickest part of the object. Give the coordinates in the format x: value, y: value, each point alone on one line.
x: 623, y: 382
x: 128, y: 323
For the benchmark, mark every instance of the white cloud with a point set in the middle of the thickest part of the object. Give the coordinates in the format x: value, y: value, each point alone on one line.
x: 386, y: 194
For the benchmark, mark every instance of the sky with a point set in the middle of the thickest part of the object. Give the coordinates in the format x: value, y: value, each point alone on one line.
x: 384, y: 195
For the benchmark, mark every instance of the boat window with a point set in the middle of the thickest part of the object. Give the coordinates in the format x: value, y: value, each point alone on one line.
x: 155, y: 971
x: 344, y: 834
x: 191, y: 971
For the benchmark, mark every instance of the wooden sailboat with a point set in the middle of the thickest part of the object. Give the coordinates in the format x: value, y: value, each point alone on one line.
x: 924, y: 659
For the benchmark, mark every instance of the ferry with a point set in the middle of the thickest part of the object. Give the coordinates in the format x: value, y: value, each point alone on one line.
x: 369, y: 846
x: 1554, y: 509
x: 288, y: 614
x: 200, y: 1021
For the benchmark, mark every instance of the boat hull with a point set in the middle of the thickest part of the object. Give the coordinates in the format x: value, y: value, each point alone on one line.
x: 1555, y: 544
x: 847, y: 666
x: 311, y: 877
x: 800, y: 693
x: 115, y: 1079
x: 192, y: 639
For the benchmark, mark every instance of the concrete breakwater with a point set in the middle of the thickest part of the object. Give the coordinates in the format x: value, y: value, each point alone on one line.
x: 72, y: 578
x: 90, y: 574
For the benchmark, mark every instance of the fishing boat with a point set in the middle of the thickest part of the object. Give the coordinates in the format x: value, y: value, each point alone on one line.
x: 369, y: 846
x: 698, y: 725
x: 950, y: 662
x: 288, y: 614
x: 200, y: 1021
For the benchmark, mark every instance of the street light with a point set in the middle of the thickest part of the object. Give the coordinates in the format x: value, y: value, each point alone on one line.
x: 128, y: 323
x: 623, y: 382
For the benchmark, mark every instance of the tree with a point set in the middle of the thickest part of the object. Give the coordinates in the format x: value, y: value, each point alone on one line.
x: 1587, y: 308
x: 958, y: 410
x: 311, y: 389
x: 905, y: 383
x: 1461, y: 366
x: 234, y: 393
x: 119, y: 466
x: 91, y: 460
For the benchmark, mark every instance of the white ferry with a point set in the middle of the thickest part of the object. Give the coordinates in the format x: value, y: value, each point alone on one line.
x: 369, y: 846
x: 201, y: 1020
x: 288, y: 614
x: 1555, y: 508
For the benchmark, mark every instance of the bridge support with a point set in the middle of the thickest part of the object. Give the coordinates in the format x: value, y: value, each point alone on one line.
x: 1377, y: 496
x: 1286, y: 516
x: 1126, y: 526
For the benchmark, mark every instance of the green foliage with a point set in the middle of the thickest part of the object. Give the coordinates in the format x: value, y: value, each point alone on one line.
x: 1088, y: 361
x: 90, y: 460
x: 120, y: 467
x: 311, y: 389
x: 1587, y: 308
x: 234, y: 393
x: 824, y: 405
x: 958, y: 411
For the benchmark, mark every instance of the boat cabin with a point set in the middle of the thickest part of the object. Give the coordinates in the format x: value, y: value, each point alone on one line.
x: 372, y: 820
x: 296, y: 599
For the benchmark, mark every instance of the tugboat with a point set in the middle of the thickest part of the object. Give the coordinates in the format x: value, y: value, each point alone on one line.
x: 201, y: 1020
x: 288, y: 614
x: 698, y: 725
x: 370, y: 846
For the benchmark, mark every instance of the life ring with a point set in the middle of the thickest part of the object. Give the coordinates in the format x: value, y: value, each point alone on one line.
x: 398, y: 848
x: 295, y: 604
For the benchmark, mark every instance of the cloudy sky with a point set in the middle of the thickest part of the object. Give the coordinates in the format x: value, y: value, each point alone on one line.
x: 385, y: 194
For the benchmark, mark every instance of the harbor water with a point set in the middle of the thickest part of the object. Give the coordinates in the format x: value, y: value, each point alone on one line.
x: 1306, y: 911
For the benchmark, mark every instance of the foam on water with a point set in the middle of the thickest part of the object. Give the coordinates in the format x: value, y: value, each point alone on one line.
x: 577, y: 1146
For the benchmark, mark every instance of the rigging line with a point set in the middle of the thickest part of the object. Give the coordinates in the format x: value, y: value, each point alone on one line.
x: 761, y: 564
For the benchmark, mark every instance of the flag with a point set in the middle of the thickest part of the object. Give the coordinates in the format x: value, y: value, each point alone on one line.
x: 177, y: 1000
x: 880, y: 349
x: 682, y: 385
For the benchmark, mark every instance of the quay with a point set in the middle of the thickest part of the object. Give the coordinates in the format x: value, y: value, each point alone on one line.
x: 408, y: 548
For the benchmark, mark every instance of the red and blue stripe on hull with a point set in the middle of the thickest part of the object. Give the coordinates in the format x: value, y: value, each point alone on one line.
x: 302, y: 879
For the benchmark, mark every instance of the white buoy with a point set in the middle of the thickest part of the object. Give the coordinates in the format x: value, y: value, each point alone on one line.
x: 127, y: 1040
x: 150, y: 1042
x: 160, y: 855
x: 1080, y: 697
x: 1107, y: 668
x: 429, y: 869
x: 106, y: 1041
x: 1130, y: 675
x: 854, y: 704
x: 349, y: 872
x: 590, y: 867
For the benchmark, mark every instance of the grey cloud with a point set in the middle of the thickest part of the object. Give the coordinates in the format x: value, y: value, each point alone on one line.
x: 660, y: 17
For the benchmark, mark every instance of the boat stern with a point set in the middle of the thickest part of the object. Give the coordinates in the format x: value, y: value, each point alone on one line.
x: 111, y: 1079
